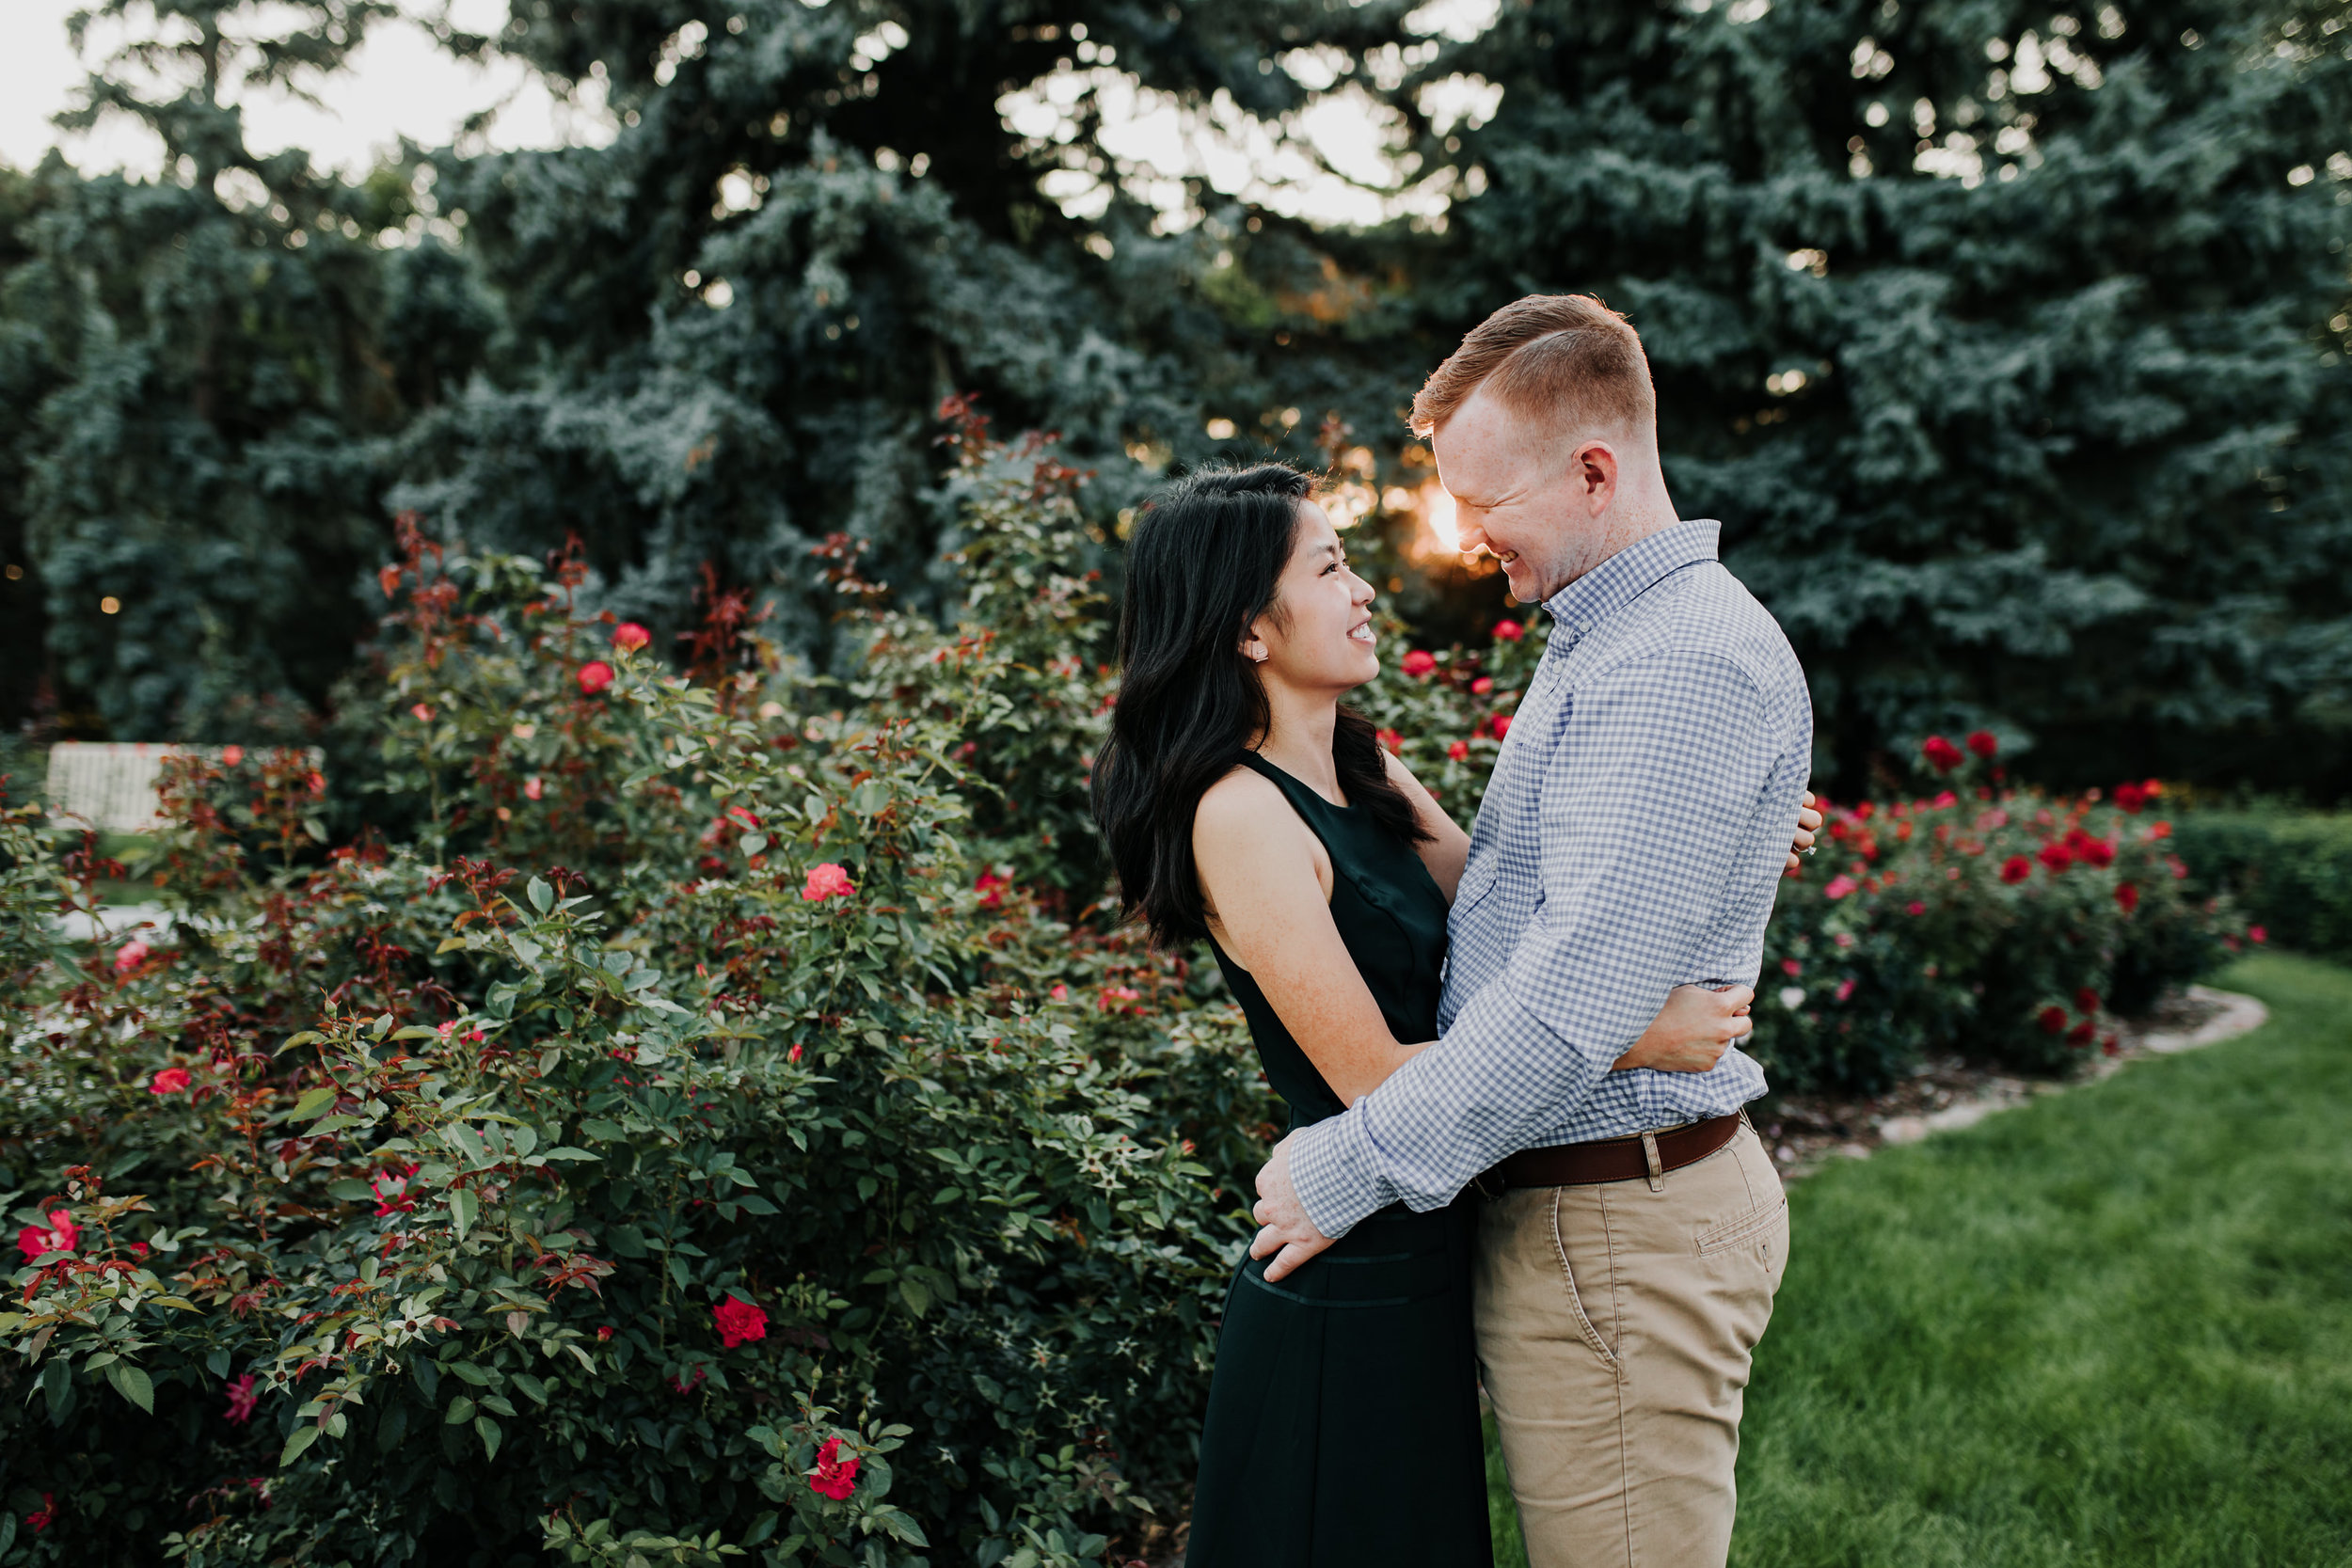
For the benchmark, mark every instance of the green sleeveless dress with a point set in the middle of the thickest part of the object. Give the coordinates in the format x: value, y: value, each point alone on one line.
x: 1342, y: 1427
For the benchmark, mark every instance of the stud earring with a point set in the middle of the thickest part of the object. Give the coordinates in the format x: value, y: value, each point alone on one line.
x: 1257, y: 652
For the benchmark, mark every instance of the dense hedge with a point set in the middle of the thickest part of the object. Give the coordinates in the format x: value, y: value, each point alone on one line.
x: 2291, y: 871
x: 725, y: 1122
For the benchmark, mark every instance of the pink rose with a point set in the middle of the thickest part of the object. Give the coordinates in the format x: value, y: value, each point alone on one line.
x: 172, y: 1080
x: 595, y: 677
x: 1840, y: 886
x: 1509, y: 631
x: 242, y: 1398
x: 1483, y: 685
x: 232, y: 755
x: 628, y: 637
x: 130, y: 956
x: 1845, y: 988
x: 533, y: 790
x: 827, y: 881
x: 422, y: 712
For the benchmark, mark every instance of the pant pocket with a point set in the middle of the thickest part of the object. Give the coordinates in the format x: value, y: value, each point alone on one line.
x: 1601, y: 1346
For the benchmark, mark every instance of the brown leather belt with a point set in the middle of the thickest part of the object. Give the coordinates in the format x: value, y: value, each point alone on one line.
x: 1614, y: 1159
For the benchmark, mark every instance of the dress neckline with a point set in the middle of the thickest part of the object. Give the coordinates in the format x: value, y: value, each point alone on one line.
x: 1259, y: 760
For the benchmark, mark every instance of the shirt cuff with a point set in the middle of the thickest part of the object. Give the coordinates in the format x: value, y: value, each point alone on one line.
x: 1335, y: 1173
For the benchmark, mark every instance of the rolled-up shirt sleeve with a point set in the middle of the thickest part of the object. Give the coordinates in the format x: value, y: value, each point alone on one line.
x: 1652, y: 794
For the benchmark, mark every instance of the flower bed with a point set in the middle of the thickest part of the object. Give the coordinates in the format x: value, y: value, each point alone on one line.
x: 711, y: 1115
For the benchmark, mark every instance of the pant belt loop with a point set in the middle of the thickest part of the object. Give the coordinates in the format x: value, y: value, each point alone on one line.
x: 1656, y: 1166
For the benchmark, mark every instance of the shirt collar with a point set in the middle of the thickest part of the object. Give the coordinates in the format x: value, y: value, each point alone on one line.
x: 1625, y: 576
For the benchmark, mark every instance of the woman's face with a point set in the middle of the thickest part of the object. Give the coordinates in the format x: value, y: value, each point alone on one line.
x: 1318, y: 635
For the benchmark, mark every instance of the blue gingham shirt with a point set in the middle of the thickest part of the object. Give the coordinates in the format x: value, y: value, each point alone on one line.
x: 1631, y: 840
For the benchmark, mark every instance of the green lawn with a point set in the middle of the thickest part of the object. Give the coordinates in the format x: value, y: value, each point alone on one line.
x: 2113, y: 1327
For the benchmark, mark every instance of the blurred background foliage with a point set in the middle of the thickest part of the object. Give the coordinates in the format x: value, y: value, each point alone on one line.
x: 2006, y: 341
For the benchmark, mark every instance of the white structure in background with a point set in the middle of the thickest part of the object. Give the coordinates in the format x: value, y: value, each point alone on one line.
x: 109, y: 785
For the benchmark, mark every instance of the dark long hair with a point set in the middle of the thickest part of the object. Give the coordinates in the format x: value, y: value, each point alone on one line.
x: 1204, y: 561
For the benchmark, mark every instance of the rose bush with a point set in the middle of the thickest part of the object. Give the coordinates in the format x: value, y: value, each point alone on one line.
x: 711, y: 1113
x: 721, y: 1132
x: 1998, y: 923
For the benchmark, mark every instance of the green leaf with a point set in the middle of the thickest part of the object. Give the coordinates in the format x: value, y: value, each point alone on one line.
x: 316, y: 1102
x: 463, y: 1208
x: 304, y: 1435
x: 565, y: 1151
x: 755, y: 843
x: 489, y: 1432
x: 600, y: 1129
x: 133, y: 1383
x: 478, y: 1376
x: 542, y: 899
x: 917, y: 1293
x: 535, y: 1390
x: 460, y: 1411
x: 350, y: 1190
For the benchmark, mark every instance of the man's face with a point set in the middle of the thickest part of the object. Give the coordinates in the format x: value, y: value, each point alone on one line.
x: 1526, y: 493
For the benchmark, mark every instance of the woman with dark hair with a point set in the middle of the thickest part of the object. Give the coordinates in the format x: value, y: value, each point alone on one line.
x: 1245, y: 804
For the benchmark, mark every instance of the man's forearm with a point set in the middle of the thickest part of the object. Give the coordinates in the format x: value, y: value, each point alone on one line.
x: 1420, y: 1139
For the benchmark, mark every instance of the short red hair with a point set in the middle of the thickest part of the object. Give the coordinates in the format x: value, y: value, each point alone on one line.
x: 1567, y: 358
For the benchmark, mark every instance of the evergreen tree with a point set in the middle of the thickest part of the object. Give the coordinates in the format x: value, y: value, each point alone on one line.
x: 2007, y: 345
x: 197, y: 367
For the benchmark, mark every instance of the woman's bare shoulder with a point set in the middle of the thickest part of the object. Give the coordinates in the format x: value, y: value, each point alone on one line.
x: 1242, y: 805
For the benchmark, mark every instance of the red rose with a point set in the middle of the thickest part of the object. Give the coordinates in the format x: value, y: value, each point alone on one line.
x: 2096, y: 851
x: 836, y: 1477
x: 1941, y: 753
x: 232, y: 755
x: 1391, y: 741
x: 1791, y: 967
x: 172, y: 1080
x: 423, y: 712
x: 2258, y: 933
x: 1509, y: 631
x: 2052, y: 1019
x: 1845, y: 988
x: 2159, y: 829
x: 60, y: 1235
x: 2131, y: 797
x: 1420, y: 662
x: 1458, y: 750
x: 2128, y: 897
x: 595, y: 677
x: 740, y: 1322
x: 628, y: 637
x: 1483, y: 685
x: 2054, y: 855
x: 1502, y: 725
x: 2087, y: 999
x: 1915, y: 907
x: 604, y: 1335
x: 990, y: 887
x: 2081, y: 1034
x: 2016, y: 869
x: 1982, y: 742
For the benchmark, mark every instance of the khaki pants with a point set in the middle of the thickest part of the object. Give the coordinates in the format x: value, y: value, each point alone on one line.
x: 1614, y: 1328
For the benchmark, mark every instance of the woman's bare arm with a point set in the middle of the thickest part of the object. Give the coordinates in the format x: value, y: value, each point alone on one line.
x: 1267, y: 881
